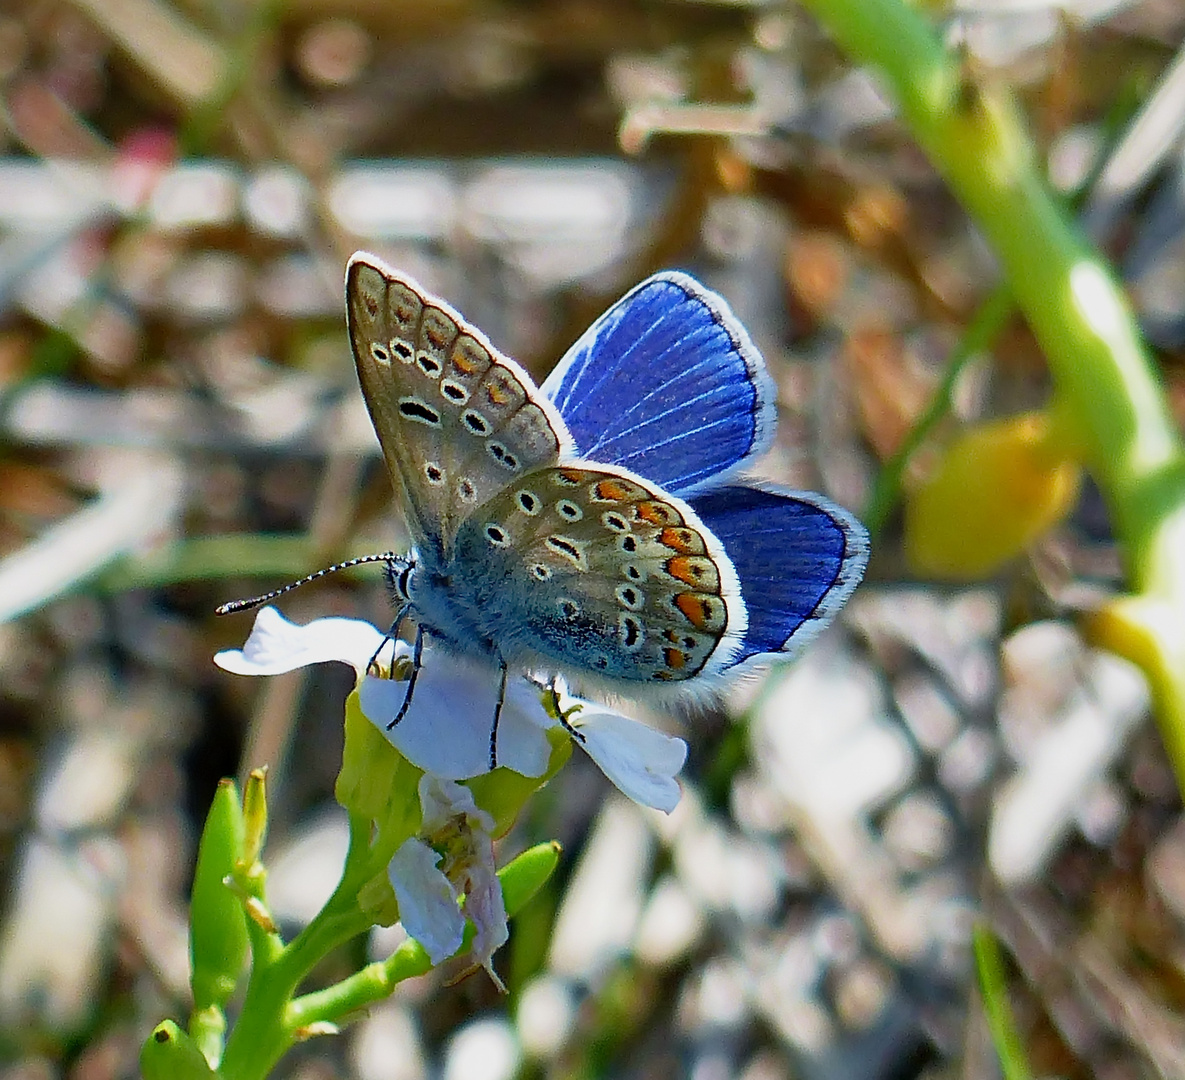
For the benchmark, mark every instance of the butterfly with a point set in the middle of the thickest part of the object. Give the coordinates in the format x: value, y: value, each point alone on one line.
x: 593, y: 528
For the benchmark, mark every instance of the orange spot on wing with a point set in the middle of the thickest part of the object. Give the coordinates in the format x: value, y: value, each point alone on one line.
x: 684, y: 568
x: 675, y: 658
x: 684, y: 541
x: 610, y: 491
x: 500, y: 391
x: 467, y: 357
x: 657, y: 513
x: 697, y: 609
x: 438, y: 332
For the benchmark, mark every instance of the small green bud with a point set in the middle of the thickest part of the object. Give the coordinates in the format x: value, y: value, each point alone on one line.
x: 524, y: 876
x: 217, y: 925
x: 255, y: 819
x: 169, y: 1054
x: 377, y: 899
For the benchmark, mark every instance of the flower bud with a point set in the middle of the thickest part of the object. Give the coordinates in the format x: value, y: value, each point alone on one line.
x: 998, y: 487
x: 169, y: 1054
x: 254, y: 820
x: 218, y: 927
x: 526, y: 874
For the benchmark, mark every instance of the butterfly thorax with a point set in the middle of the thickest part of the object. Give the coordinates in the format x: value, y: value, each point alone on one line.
x: 439, y: 597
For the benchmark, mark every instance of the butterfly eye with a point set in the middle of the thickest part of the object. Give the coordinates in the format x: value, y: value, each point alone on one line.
x: 454, y: 391
x: 528, y: 502
x: 614, y: 521
x: 402, y: 583
x: 568, y: 608
x: 541, y: 572
x: 496, y: 536
x: 379, y: 352
x: 434, y: 473
x: 569, y: 510
x: 628, y: 544
x: 403, y: 350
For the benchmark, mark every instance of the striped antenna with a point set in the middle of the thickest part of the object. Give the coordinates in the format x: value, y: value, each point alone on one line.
x: 388, y: 557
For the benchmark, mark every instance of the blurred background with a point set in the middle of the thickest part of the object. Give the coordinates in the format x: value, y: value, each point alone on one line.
x: 180, y: 186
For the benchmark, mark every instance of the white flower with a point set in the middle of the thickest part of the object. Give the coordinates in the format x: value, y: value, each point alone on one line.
x: 447, y: 874
x: 641, y: 762
x: 446, y: 731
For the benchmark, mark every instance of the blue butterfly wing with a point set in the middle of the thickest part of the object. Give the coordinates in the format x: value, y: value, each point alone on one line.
x: 667, y: 384
x: 798, y: 558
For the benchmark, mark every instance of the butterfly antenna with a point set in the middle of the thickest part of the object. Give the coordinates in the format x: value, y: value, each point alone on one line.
x: 245, y: 605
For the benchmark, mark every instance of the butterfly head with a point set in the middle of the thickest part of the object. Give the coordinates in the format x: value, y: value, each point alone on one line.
x: 398, y: 572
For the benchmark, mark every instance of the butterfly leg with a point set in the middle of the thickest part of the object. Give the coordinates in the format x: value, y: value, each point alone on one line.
x: 372, y: 665
x: 416, y: 664
x: 562, y: 716
x: 497, y: 715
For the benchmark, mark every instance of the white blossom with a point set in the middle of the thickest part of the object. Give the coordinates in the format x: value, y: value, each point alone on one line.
x: 446, y: 731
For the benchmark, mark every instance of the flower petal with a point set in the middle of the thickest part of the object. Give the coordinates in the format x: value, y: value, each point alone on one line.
x: 442, y: 800
x: 485, y: 906
x: 427, y: 901
x: 641, y: 762
x: 471, y: 861
x: 446, y: 731
x: 276, y: 645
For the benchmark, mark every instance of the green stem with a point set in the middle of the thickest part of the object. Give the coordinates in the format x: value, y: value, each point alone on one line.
x: 373, y: 983
x: 981, y: 331
x: 264, y: 1032
x: 993, y: 987
x: 1106, y: 383
x: 204, y: 122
